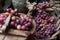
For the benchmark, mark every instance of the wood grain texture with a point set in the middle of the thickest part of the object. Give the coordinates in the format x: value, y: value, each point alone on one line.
x: 17, y: 32
x: 9, y: 37
x: 2, y: 37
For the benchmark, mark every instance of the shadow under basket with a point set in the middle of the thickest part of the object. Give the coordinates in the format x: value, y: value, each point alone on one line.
x: 21, y: 32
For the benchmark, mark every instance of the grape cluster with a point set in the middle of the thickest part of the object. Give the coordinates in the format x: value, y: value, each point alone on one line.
x: 19, y: 21
x: 43, y: 5
x: 3, y: 16
x: 45, y: 23
x: 11, y: 11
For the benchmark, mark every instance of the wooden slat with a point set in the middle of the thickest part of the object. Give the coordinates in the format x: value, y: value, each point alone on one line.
x: 21, y: 38
x: 58, y: 9
x: 18, y: 32
x: 57, y: 5
x: 49, y: 9
x: 8, y: 37
x: 57, y: 1
x: 2, y: 37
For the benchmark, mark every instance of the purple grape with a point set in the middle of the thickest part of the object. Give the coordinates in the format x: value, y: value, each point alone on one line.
x: 12, y: 23
x: 29, y: 24
x: 45, y: 23
x: 16, y: 25
x: 26, y: 25
x: 30, y: 20
x: 8, y: 10
x: 17, y: 21
x: 43, y: 5
x: 23, y: 20
x: 23, y: 27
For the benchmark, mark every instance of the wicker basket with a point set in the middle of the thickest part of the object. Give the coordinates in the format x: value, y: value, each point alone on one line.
x: 54, y: 12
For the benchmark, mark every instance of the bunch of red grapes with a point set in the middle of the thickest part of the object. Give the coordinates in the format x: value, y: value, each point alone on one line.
x: 45, y: 24
x: 20, y: 21
x: 43, y: 5
x: 3, y: 16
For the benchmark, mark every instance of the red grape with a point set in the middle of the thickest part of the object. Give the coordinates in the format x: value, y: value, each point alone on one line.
x: 17, y: 20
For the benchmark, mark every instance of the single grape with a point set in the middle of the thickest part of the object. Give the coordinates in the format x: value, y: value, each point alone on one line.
x: 19, y: 27
x: 13, y: 18
x: 23, y: 27
x: 17, y: 21
x: 12, y: 23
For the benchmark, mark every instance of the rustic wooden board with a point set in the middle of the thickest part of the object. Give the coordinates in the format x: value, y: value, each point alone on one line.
x: 2, y: 37
x: 57, y: 2
x: 57, y: 5
x: 18, y: 33
x: 9, y: 37
x: 58, y: 9
x: 49, y: 9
